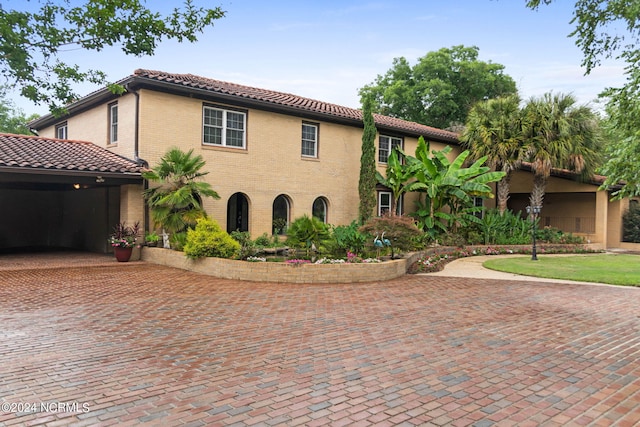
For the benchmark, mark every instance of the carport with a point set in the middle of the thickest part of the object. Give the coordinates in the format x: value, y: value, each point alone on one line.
x: 59, y: 194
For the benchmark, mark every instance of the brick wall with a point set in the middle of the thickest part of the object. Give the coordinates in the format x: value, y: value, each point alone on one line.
x: 278, y: 271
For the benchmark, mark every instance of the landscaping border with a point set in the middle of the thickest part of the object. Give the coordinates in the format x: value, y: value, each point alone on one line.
x: 328, y: 273
x: 279, y: 271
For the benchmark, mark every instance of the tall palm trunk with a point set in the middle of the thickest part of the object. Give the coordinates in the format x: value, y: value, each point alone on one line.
x: 503, y: 192
x: 537, y: 193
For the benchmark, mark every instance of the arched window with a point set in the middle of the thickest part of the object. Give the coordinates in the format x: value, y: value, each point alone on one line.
x: 237, y: 213
x: 280, y: 217
x: 319, y: 209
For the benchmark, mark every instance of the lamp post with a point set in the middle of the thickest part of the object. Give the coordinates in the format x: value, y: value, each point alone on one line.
x: 533, y: 211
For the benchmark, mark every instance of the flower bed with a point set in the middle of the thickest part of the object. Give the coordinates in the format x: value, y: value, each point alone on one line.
x: 302, y: 271
x: 338, y: 271
x: 435, y: 259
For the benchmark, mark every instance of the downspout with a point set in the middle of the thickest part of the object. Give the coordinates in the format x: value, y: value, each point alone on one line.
x: 136, y: 152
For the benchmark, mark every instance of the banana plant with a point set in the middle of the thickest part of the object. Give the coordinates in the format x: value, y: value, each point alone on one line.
x: 396, y: 177
x: 448, y: 187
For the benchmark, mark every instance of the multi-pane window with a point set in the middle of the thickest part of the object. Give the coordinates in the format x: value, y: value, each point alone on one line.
x: 61, y: 131
x: 385, y: 145
x: 309, y: 140
x: 384, y: 202
x: 385, y: 199
x: 223, y: 127
x: 113, y: 123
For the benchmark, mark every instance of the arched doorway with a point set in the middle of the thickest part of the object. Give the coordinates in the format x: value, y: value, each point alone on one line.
x: 237, y: 213
x: 280, y: 218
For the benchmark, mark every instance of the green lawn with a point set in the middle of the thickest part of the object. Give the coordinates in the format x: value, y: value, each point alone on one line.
x: 615, y: 269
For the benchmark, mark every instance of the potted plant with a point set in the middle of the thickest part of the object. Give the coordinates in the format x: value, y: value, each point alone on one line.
x: 152, y: 239
x: 123, y: 239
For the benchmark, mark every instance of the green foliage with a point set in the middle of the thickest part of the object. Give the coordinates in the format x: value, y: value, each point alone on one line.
x: 399, y: 229
x: 504, y: 228
x: 32, y: 39
x: 177, y: 241
x: 440, y: 89
x: 446, y: 184
x: 623, y: 149
x: 12, y: 119
x: 367, y: 181
x: 247, y: 246
x: 555, y: 235
x: 151, y: 237
x: 494, y: 129
x: 611, y: 29
x: 631, y: 224
x: 558, y: 133
x: 175, y: 201
x: 209, y: 240
x: 307, y: 232
x: 620, y: 20
x: 396, y: 177
x: 349, y: 238
x: 263, y: 240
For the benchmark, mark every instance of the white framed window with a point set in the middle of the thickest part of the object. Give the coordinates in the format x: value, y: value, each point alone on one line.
x: 224, y: 128
x: 385, y: 145
x: 384, y: 202
x: 309, y: 140
x: 113, y: 123
x: 61, y: 131
x: 385, y: 198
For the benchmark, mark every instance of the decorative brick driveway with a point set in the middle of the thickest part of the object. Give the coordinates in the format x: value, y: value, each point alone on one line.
x: 138, y: 343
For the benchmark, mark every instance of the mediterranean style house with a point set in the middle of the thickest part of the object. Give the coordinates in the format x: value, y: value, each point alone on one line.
x: 269, y: 155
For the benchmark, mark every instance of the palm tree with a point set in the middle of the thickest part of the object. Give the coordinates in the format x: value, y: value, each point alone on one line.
x: 494, y: 130
x: 176, y: 203
x: 559, y: 134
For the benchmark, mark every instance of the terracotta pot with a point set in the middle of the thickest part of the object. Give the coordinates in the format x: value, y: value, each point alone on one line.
x: 122, y: 254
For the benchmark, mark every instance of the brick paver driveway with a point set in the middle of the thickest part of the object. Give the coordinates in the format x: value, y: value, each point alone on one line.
x: 138, y: 343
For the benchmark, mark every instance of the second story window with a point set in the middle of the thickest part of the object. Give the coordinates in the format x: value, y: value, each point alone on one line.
x: 224, y: 127
x: 385, y: 145
x: 309, y: 140
x: 61, y: 131
x: 113, y: 123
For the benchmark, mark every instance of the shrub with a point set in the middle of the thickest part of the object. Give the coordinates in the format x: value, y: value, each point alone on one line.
x: 505, y: 229
x: 452, y: 239
x: 178, y: 240
x: 307, y: 232
x: 555, y: 235
x: 209, y: 240
x: 349, y: 238
x: 264, y: 240
x: 247, y: 246
x: 399, y: 229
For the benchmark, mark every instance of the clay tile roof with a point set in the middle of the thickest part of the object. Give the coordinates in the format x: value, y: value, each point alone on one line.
x: 288, y: 100
x: 33, y: 152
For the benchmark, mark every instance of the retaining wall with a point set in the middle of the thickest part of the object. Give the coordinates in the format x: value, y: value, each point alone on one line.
x: 278, y: 271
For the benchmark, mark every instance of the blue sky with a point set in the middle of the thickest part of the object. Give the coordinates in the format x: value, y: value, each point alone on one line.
x: 329, y: 49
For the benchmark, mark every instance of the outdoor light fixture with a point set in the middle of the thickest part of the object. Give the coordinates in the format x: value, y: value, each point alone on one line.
x: 99, y: 179
x: 533, y: 212
x: 76, y: 186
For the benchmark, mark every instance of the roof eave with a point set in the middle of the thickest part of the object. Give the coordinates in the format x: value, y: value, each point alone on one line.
x: 140, y: 82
